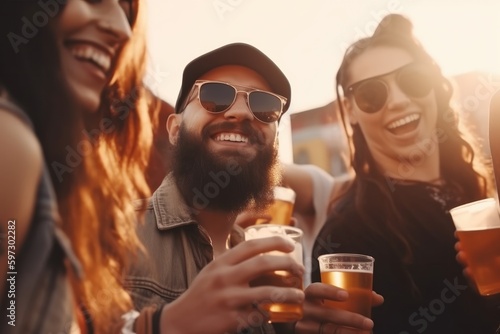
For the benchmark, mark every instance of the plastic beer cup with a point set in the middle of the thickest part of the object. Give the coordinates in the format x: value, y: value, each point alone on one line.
x: 278, y: 311
x: 281, y: 208
x: 351, y: 272
x: 478, y: 229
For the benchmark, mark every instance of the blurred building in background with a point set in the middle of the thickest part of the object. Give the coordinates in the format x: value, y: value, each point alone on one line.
x: 318, y: 138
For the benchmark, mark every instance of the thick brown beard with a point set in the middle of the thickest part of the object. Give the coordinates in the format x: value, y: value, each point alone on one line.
x: 225, y: 184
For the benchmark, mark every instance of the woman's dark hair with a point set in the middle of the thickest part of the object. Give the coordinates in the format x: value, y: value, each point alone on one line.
x: 460, y: 166
x: 39, y: 90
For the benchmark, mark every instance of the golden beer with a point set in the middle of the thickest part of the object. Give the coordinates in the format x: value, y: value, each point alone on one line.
x: 483, y: 253
x: 280, y: 211
x: 278, y: 311
x: 352, y: 272
x: 359, y: 286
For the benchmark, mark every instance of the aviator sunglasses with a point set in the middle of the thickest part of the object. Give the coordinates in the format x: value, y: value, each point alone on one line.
x: 415, y: 80
x: 217, y: 97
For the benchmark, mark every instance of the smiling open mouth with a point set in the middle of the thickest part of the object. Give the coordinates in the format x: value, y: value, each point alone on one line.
x: 231, y: 137
x: 404, y: 125
x: 93, y: 55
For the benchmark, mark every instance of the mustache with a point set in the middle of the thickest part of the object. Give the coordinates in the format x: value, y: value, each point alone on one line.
x: 254, y: 136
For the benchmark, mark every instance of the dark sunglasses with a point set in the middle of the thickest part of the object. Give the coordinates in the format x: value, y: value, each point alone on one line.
x: 415, y: 80
x: 217, y: 97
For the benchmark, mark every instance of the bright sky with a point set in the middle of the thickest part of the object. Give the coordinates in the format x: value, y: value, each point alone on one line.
x: 307, y: 38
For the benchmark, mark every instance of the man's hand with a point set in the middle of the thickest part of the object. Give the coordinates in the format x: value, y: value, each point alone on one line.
x: 220, y: 299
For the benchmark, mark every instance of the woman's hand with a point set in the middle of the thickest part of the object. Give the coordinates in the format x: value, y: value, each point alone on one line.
x: 462, y: 259
x: 319, y: 319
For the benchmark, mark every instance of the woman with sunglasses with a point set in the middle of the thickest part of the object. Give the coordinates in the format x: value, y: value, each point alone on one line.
x: 413, y: 162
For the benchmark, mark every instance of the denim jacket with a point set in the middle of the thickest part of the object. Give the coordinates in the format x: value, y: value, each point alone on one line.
x: 177, y: 247
x: 37, y: 298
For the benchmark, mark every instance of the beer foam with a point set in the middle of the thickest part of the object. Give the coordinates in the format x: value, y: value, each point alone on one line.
x: 268, y: 231
x: 476, y: 215
x: 284, y: 194
x: 275, y: 230
x: 342, y: 270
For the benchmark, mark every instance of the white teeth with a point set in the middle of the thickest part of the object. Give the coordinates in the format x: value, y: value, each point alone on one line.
x: 95, y: 55
x: 403, y: 121
x: 232, y: 137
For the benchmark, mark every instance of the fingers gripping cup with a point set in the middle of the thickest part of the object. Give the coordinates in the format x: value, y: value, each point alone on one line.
x: 281, y: 208
x: 478, y: 229
x: 278, y: 311
x: 352, y: 272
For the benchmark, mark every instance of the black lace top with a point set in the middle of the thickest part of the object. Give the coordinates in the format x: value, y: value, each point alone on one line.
x: 426, y: 293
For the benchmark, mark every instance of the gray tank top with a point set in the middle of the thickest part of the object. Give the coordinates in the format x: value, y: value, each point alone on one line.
x: 43, y: 297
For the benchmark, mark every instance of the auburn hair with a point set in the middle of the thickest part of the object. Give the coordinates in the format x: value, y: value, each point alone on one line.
x: 97, y: 210
x: 97, y: 160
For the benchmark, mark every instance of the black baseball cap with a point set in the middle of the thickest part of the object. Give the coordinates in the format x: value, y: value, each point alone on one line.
x: 235, y: 54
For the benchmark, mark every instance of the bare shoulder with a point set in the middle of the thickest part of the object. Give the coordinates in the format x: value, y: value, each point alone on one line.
x: 21, y: 162
x: 18, y: 144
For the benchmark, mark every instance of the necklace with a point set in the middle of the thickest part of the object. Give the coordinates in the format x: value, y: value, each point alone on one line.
x: 447, y: 196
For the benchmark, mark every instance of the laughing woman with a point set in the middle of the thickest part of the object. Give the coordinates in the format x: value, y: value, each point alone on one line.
x: 413, y: 162
x: 74, y: 138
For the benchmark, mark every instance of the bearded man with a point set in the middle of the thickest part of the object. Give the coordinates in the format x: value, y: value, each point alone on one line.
x: 224, y: 134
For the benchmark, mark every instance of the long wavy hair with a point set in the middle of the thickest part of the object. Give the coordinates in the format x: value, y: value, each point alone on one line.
x: 95, y: 192
x: 461, y: 163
